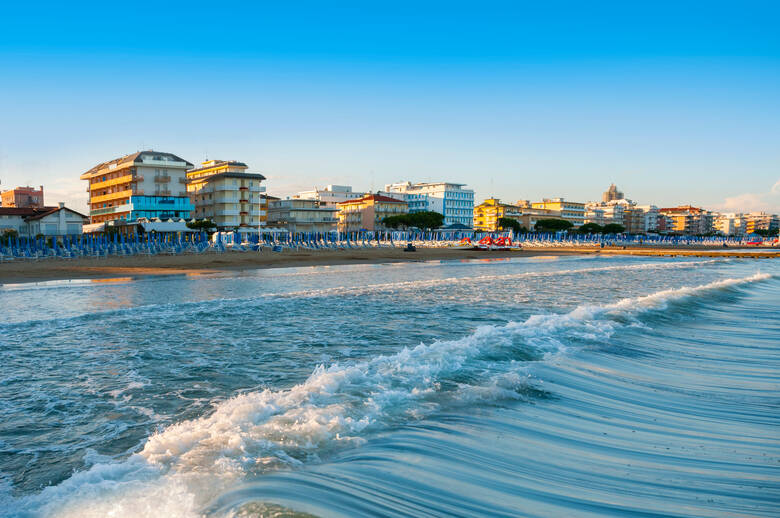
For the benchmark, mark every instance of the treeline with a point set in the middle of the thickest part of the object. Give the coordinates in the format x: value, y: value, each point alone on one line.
x: 559, y: 225
x: 425, y: 220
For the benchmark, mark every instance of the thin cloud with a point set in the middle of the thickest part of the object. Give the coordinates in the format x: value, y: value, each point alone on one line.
x: 754, y: 202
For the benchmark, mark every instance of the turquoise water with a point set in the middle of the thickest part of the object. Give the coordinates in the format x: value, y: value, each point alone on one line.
x: 571, y: 386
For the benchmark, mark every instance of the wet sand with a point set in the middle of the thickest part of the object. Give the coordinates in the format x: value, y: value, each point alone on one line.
x: 20, y: 271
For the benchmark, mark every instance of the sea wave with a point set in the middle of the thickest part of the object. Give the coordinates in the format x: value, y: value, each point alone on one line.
x: 183, y: 466
x: 361, y: 290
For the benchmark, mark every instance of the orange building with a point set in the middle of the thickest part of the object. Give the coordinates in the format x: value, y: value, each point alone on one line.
x: 23, y: 197
x: 367, y: 213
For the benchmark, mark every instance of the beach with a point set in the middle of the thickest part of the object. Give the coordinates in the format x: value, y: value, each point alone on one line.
x: 20, y: 271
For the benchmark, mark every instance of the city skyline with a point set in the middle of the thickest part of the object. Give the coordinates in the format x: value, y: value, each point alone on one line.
x: 674, y: 104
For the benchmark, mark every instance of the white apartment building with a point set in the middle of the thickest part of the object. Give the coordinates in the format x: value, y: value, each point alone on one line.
x: 650, y: 216
x: 451, y: 200
x: 330, y: 196
x: 223, y: 192
x: 729, y: 224
x: 302, y: 215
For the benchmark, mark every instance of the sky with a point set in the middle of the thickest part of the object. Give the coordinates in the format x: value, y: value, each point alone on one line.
x: 675, y: 102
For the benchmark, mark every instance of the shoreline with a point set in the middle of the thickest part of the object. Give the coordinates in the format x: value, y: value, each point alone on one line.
x: 18, y: 271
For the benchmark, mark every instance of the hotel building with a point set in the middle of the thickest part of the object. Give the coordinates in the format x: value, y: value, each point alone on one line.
x: 487, y: 214
x: 330, y: 196
x: 761, y: 221
x: 147, y: 184
x: 223, y: 192
x: 22, y: 197
x: 297, y: 215
x: 368, y: 212
x: 451, y: 200
x: 570, y: 211
x: 687, y: 220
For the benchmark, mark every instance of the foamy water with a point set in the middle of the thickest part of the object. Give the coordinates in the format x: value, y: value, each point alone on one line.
x: 576, y: 386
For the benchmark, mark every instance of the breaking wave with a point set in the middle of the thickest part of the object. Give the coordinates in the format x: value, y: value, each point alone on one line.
x: 181, y: 468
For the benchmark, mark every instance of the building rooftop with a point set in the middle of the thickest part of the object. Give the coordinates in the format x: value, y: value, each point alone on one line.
x: 253, y: 176
x: 34, y: 212
x: 211, y: 164
x: 375, y: 197
x: 134, y: 158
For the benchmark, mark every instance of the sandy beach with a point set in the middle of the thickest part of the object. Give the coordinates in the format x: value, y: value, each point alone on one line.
x: 20, y: 271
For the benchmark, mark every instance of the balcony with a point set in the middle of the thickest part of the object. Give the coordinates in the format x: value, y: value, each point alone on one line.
x: 182, y: 179
x: 226, y: 212
x: 111, y: 196
x: 110, y: 183
x: 127, y: 207
x: 162, y: 178
x: 243, y: 200
x: 242, y: 188
x: 162, y: 192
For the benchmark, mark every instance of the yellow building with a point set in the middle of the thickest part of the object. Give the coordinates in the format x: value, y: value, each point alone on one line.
x: 225, y: 193
x: 570, y: 211
x: 487, y: 214
x: 367, y: 213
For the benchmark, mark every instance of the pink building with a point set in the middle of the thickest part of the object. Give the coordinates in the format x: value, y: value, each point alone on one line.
x: 22, y: 197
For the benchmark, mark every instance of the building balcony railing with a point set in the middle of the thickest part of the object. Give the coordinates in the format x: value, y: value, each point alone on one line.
x: 127, y: 207
x: 162, y: 178
x: 110, y: 183
x: 162, y: 192
x: 182, y: 179
x: 111, y: 196
x: 243, y: 200
x: 243, y: 188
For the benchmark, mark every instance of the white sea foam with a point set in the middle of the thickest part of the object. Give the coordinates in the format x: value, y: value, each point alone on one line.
x: 182, y: 467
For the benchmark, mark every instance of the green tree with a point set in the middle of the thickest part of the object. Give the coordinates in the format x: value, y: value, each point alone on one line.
x: 613, y: 228
x: 425, y: 220
x: 552, y: 225
x: 394, y: 221
x: 202, y: 224
x: 511, y: 224
x: 591, y: 228
x: 8, y: 234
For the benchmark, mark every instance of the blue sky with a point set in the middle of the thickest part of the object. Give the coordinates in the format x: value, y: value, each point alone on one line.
x: 675, y: 102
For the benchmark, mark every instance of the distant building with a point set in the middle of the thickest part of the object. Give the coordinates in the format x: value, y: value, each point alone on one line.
x: 729, y: 224
x: 687, y: 220
x: 650, y: 215
x: 571, y: 211
x: 147, y: 184
x: 299, y: 215
x: 330, y: 196
x: 612, y: 194
x: 368, y: 212
x: 47, y: 221
x: 222, y: 191
x: 451, y: 200
x: 595, y: 214
x: 761, y: 221
x: 487, y: 214
x: 265, y: 201
x: 22, y: 197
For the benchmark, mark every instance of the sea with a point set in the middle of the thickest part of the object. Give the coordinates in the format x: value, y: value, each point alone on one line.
x: 536, y: 386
